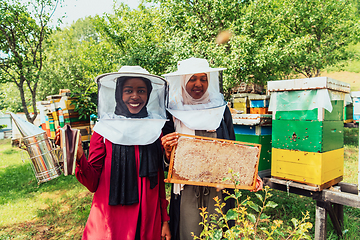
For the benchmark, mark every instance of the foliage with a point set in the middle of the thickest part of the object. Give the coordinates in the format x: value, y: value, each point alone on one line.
x: 139, y: 35
x: 75, y: 56
x: 315, y: 33
x: 251, y: 221
x: 85, y: 104
x: 9, y: 98
x: 22, y: 38
x: 2, y: 126
x: 271, y: 39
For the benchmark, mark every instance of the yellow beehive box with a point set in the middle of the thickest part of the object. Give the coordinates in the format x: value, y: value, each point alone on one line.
x: 240, y: 106
x: 320, y: 169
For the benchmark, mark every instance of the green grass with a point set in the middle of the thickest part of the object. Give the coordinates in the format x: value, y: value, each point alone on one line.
x: 58, y: 209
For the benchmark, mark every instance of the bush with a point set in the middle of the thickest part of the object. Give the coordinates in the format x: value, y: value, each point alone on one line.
x: 251, y: 222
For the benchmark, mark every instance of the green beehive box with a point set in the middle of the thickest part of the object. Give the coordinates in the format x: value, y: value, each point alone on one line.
x: 310, y: 136
x: 265, y: 154
x: 348, y: 112
x: 307, y: 115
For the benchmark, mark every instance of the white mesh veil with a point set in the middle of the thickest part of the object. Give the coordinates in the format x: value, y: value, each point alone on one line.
x: 205, y: 116
x: 126, y: 130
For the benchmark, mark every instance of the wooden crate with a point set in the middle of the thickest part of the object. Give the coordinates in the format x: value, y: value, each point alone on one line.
x: 321, y: 169
x: 203, y: 161
x: 311, y: 136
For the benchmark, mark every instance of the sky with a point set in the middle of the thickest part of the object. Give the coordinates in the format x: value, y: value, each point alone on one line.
x: 75, y: 9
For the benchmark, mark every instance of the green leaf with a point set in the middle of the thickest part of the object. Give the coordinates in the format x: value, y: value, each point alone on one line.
x: 259, y: 196
x: 271, y: 204
x: 231, y: 214
x: 252, y: 217
x: 237, y: 194
x: 264, y: 216
x: 218, y: 234
x: 253, y: 206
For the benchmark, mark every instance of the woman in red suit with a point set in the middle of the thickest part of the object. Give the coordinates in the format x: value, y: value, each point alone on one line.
x: 124, y: 168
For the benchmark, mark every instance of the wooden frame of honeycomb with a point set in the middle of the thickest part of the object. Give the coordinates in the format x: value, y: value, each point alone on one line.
x: 206, y: 161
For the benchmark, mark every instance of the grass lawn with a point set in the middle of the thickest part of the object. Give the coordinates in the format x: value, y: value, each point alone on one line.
x: 58, y: 209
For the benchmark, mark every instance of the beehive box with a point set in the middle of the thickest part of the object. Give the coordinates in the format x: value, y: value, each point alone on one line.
x: 289, y: 88
x: 206, y: 162
x: 251, y: 128
x: 259, y: 101
x: 241, y: 102
x: 264, y: 168
x: 319, y: 169
x: 315, y: 114
x: 356, y: 105
x: 311, y: 136
x: 348, y: 113
x: 263, y: 110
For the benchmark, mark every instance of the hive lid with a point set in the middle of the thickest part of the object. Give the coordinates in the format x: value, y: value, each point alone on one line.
x: 244, y: 95
x: 259, y: 97
x: 308, y: 83
x: 252, y: 119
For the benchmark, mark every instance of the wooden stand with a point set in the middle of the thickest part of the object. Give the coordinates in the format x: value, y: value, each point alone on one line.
x: 327, y: 201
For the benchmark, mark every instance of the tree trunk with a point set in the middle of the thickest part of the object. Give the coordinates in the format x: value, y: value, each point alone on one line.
x: 23, y: 100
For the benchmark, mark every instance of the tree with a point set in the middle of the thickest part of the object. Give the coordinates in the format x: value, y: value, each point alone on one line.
x: 22, y: 38
x: 139, y: 36
x: 271, y: 39
x: 75, y: 56
x: 246, y: 55
x: 315, y: 34
x: 9, y: 98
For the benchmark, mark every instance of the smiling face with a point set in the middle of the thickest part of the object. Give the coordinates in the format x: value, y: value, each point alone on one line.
x: 134, y: 94
x: 197, y: 85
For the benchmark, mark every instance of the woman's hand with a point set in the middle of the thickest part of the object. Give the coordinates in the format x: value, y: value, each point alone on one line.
x: 165, y: 231
x: 259, y: 184
x: 168, y: 141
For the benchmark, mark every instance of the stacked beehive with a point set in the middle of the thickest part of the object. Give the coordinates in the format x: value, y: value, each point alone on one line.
x: 60, y: 110
x: 241, y: 102
x: 307, y: 130
x: 256, y: 128
x: 259, y: 104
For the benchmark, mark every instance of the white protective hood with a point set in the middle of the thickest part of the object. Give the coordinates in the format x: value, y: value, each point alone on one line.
x: 201, y: 116
x: 126, y: 130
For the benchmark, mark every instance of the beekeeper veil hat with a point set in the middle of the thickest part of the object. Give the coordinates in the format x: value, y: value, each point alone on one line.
x: 116, y: 123
x: 197, y: 114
